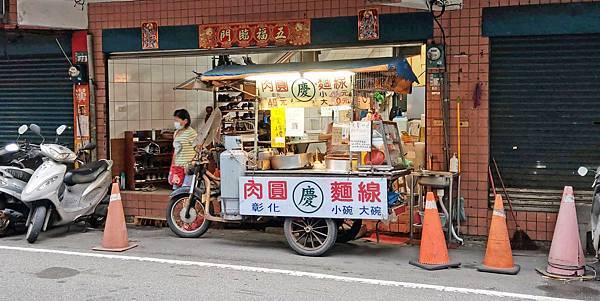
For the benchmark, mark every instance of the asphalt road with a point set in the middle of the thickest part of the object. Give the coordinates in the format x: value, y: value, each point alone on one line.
x: 251, y: 265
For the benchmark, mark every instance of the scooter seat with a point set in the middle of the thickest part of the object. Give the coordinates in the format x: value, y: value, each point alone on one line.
x: 85, y: 174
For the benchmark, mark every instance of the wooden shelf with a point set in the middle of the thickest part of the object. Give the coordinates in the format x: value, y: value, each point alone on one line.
x: 238, y: 132
x: 159, y: 155
x: 237, y: 110
x: 161, y: 162
x: 155, y: 141
x: 153, y: 170
x: 152, y: 181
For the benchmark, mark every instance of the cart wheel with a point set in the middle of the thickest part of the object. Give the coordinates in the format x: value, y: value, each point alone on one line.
x: 348, y: 229
x: 194, y: 226
x: 310, y: 236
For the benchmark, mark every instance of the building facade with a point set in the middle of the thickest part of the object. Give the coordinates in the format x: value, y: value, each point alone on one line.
x: 480, y: 42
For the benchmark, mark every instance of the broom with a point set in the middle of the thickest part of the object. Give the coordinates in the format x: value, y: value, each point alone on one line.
x: 520, y: 239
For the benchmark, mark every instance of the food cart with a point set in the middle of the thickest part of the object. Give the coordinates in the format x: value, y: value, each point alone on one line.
x: 320, y: 186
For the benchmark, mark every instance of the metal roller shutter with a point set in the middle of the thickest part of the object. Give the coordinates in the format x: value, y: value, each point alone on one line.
x: 35, y: 89
x: 545, y: 109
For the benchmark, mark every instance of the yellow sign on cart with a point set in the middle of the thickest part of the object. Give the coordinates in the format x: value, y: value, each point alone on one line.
x: 278, y: 127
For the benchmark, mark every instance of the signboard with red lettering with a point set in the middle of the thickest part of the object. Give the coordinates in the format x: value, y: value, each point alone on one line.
x: 321, y: 89
x: 290, y: 33
x: 349, y: 198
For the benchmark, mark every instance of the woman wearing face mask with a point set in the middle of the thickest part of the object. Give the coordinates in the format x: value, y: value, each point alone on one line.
x: 183, y: 148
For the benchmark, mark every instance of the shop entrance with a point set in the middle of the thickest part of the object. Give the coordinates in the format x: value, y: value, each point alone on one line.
x: 543, y: 109
x: 142, y: 101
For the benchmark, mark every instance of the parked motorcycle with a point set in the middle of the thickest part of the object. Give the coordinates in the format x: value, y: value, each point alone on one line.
x: 59, y: 197
x: 17, y: 158
x: 595, y: 212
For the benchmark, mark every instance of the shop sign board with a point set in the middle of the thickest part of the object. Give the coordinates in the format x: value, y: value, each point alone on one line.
x: 307, y: 91
x: 81, y: 94
x: 242, y: 35
x: 331, y: 197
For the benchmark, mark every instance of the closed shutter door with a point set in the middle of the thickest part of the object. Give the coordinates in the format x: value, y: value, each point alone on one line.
x: 545, y: 109
x: 35, y: 89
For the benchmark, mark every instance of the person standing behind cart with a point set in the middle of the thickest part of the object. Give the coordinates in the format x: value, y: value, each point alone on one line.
x: 183, y: 149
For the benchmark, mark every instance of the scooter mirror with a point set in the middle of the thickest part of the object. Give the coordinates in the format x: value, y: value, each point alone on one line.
x: 61, y: 129
x: 582, y: 171
x: 13, y: 147
x: 35, y: 129
x: 23, y: 129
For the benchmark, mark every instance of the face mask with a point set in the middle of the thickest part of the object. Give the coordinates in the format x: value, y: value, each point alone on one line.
x: 177, y: 125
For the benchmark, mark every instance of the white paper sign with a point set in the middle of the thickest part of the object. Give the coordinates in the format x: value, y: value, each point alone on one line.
x: 294, y: 122
x: 360, y: 136
x: 340, y: 197
x: 327, y: 111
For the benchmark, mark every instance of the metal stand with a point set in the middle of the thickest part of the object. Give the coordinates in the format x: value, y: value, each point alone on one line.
x: 437, y: 180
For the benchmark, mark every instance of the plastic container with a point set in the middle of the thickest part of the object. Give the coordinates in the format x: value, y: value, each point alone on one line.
x: 454, y: 163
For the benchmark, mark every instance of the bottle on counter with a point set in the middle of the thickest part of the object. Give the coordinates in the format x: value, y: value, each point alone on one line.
x: 454, y: 163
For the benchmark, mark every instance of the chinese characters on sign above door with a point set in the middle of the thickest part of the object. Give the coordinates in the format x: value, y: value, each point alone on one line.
x: 307, y: 91
x: 294, y: 33
x: 357, y: 198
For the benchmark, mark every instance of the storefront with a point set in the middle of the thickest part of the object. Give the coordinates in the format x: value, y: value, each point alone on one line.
x: 472, y: 54
x: 142, y: 98
x: 543, y: 91
x: 34, y: 83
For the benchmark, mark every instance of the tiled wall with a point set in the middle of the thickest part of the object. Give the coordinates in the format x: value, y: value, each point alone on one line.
x: 141, y: 95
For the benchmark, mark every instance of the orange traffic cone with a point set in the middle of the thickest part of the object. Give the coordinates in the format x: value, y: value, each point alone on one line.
x: 566, y: 253
x: 115, y: 231
x: 498, y: 255
x: 433, y: 253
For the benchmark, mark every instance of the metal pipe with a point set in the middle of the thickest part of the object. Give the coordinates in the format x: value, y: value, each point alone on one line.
x: 92, y: 77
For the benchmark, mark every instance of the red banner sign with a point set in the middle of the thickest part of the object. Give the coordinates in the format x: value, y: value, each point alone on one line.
x: 294, y: 33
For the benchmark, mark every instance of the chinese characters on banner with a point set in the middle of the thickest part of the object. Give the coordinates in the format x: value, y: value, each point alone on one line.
x: 360, y: 136
x: 149, y: 35
x: 326, y: 90
x: 81, y: 94
x: 356, y: 198
x: 368, y: 24
x: 294, y: 33
x: 278, y: 127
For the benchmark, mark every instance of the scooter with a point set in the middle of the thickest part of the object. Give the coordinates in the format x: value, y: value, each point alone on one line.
x: 58, y: 197
x: 14, y: 175
x: 595, y: 212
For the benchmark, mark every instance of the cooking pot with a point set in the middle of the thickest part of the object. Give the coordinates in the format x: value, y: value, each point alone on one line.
x: 291, y: 161
x: 338, y: 164
x: 266, y: 154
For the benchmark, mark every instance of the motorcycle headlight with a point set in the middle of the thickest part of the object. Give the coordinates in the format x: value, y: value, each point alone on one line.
x: 59, y: 156
x: 48, y: 183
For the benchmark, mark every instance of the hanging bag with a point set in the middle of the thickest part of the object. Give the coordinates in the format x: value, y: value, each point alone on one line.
x: 176, y: 173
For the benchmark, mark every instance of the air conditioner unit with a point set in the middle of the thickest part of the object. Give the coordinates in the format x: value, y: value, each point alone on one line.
x: 436, y: 5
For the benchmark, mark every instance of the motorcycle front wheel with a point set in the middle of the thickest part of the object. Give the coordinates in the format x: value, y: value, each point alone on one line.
x: 36, y: 224
x: 187, y: 227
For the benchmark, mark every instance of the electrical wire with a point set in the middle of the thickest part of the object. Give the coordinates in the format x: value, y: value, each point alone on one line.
x: 446, y: 79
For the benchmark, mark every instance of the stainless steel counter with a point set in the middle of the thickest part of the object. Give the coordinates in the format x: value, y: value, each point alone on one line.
x: 322, y: 172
